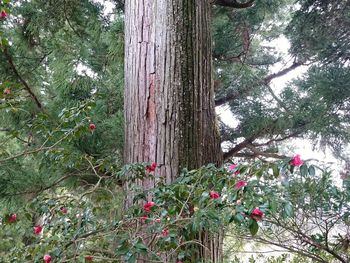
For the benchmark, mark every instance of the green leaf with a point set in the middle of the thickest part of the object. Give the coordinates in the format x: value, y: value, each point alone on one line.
x: 312, y: 170
x: 181, y: 255
x: 288, y: 210
x: 303, y: 170
x: 253, y: 227
x: 239, y: 218
x: 273, y: 205
x: 140, y: 247
x: 276, y: 170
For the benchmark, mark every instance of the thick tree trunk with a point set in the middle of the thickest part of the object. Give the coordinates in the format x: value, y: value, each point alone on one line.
x: 169, y: 96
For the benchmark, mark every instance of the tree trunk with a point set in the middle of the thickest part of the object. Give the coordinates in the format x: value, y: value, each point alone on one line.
x: 169, y: 95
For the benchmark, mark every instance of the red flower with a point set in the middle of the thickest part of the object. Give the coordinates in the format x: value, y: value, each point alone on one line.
x: 232, y: 167
x: 151, y: 168
x: 12, y: 218
x: 241, y: 183
x: 38, y: 230
x: 296, y: 161
x: 148, y: 206
x: 63, y: 210
x: 165, y: 232
x: 7, y: 91
x: 257, y: 214
x: 92, y: 126
x: 47, y: 258
x: 89, y: 258
x: 214, y: 195
x: 3, y: 14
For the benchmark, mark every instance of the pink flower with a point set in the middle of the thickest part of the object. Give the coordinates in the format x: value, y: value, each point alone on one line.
x: 89, y: 258
x: 214, y: 195
x: 47, y: 259
x: 12, y: 218
x: 296, y: 161
x: 92, y: 126
x: 179, y: 261
x: 239, y: 202
x: 165, y: 232
x: 158, y: 220
x: 37, y: 230
x: 232, y: 167
x: 151, y: 168
x: 7, y: 91
x: 257, y: 214
x: 241, y: 183
x: 63, y: 210
x: 237, y: 172
x: 148, y: 206
x: 3, y: 14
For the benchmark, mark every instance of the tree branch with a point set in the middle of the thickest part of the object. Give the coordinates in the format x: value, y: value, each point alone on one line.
x: 238, y: 147
x: 25, y: 84
x: 257, y: 152
x: 294, y: 134
x: 265, y: 81
x: 234, y: 3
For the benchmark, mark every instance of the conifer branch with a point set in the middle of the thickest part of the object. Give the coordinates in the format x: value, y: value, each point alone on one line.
x: 265, y: 81
x: 255, y: 152
x: 41, y: 148
x: 21, y: 79
x: 234, y: 3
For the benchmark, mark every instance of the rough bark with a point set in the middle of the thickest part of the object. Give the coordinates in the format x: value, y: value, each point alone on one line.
x: 169, y: 94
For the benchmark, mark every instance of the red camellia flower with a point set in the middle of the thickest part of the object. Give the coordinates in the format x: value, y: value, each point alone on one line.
x: 232, y: 167
x: 151, y: 168
x: 47, y: 259
x: 37, y: 230
x: 12, y: 218
x: 214, y: 195
x: 165, y: 232
x: 7, y: 91
x: 63, y: 210
x: 92, y: 126
x: 257, y: 214
x: 89, y: 258
x: 241, y: 183
x: 148, y: 206
x: 296, y: 161
x: 3, y: 14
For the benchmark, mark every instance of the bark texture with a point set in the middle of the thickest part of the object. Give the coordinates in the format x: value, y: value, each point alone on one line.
x: 169, y: 95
